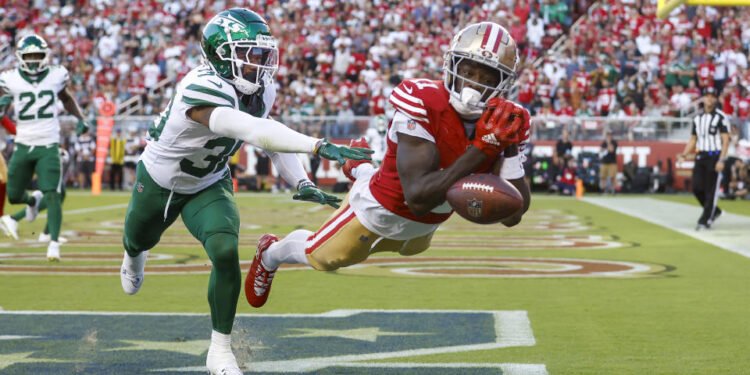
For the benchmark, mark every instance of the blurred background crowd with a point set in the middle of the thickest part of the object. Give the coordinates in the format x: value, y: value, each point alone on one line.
x: 340, y: 59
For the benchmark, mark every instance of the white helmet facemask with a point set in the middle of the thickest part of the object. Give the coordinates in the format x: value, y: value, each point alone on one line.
x: 465, y: 97
x: 262, y: 54
x: 489, y: 47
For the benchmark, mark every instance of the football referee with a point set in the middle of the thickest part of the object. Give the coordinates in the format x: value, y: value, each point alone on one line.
x: 710, y: 137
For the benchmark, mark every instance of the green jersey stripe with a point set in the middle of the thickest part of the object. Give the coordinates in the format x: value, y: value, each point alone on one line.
x: 210, y: 91
x: 200, y: 102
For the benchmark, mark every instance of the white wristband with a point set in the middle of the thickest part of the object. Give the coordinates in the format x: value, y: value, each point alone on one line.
x: 512, y: 168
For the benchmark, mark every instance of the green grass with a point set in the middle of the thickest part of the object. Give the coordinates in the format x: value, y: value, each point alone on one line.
x: 689, y: 320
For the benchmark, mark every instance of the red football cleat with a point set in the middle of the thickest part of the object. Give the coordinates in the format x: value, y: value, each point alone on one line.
x: 258, y: 280
x: 351, y: 164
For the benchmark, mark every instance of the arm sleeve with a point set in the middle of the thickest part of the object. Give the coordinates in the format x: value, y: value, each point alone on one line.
x: 264, y: 133
x: 9, y: 125
x: 289, y: 167
x: 403, y: 124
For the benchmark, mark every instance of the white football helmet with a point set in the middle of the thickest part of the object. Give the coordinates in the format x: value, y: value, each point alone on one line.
x: 33, y: 45
x: 488, y: 44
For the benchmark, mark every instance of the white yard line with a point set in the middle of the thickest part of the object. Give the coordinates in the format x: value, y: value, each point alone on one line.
x: 89, y: 209
x: 506, y: 368
x: 731, y: 232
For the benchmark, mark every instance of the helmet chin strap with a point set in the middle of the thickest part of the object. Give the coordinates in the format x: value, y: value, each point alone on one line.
x: 468, y: 105
x: 244, y: 86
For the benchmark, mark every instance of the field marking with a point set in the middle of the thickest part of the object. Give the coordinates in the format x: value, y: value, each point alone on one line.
x: 473, y: 267
x: 505, y: 368
x: 17, y: 337
x: 89, y: 209
x: 512, y: 329
x: 730, y: 232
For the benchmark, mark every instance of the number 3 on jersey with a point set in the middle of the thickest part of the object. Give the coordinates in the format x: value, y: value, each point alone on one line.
x: 215, y: 162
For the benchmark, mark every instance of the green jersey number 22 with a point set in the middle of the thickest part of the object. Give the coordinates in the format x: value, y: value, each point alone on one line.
x: 23, y: 114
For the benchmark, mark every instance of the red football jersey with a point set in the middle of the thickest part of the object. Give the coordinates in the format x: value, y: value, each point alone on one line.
x: 425, y: 103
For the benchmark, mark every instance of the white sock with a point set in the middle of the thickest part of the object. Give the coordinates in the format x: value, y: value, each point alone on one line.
x: 221, y: 341
x: 363, y: 170
x: 135, y: 265
x: 290, y: 250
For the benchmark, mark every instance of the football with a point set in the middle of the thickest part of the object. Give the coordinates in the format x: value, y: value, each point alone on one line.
x: 484, y: 198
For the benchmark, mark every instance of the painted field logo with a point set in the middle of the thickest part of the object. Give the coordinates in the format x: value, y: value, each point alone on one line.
x: 506, y: 267
x: 474, y: 207
x: 342, y: 341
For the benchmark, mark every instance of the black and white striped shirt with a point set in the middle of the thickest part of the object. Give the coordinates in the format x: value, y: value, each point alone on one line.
x: 707, y: 127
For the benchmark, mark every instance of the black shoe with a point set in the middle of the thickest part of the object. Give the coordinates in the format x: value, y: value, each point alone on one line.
x: 702, y: 227
x: 716, y: 216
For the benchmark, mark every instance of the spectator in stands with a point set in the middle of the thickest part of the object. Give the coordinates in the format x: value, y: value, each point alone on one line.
x: 606, y: 100
x: 679, y: 101
x: 740, y: 180
x: 565, y: 182
x: 563, y: 149
x: 344, y: 121
x: 608, y: 169
x: 731, y: 158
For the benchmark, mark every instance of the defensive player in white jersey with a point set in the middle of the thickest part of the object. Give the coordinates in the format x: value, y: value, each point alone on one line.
x: 36, y: 87
x: 441, y: 132
x: 183, y: 170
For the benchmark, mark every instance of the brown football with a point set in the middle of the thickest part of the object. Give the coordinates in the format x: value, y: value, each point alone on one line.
x: 484, y: 198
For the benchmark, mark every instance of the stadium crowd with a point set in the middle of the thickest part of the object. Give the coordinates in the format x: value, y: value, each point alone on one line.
x: 342, y: 58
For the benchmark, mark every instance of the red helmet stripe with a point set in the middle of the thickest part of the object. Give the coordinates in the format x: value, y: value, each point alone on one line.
x: 498, y: 38
x: 487, y: 30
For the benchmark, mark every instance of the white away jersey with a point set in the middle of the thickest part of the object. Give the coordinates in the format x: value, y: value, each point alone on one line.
x: 35, y: 104
x: 183, y: 155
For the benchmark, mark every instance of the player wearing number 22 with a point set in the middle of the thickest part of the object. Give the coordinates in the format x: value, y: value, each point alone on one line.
x: 183, y: 170
x: 441, y: 132
x: 36, y: 86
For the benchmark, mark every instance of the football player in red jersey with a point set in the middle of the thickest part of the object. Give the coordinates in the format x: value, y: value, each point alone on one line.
x: 441, y: 132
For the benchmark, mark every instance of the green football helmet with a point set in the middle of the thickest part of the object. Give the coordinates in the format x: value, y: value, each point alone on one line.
x: 237, y: 38
x: 33, y: 54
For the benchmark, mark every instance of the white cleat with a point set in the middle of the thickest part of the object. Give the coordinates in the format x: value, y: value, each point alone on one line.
x: 10, y: 226
x: 32, y: 211
x: 46, y: 237
x: 53, y: 251
x: 131, y: 273
x: 221, y: 362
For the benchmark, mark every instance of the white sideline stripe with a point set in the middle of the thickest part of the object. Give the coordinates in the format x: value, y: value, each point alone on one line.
x: 90, y: 209
x: 16, y: 337
x: 341, y: 313
x: 506, y: 368
x: 513, y: 328
x: 730, y: 232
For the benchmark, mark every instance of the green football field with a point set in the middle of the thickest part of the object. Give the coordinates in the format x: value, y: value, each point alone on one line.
x: 577, y: 288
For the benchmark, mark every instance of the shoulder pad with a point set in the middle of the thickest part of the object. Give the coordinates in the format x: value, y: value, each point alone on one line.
x: 201, y: 87
x: 416, y: 98
x: 61, y: 72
